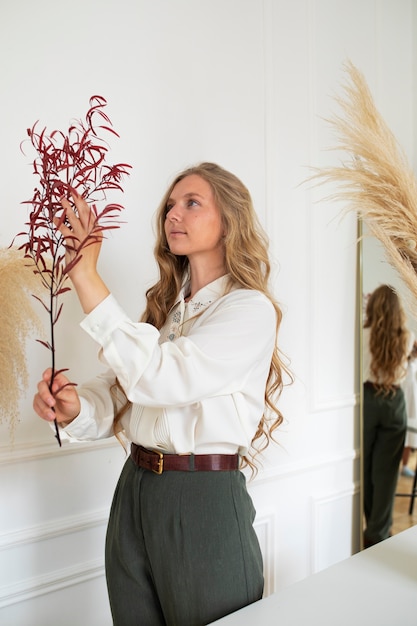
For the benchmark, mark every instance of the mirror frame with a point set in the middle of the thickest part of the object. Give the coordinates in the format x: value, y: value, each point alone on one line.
x: 360, y: 373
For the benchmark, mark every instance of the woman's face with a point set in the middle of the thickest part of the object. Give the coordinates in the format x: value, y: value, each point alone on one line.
x: 193, y: 224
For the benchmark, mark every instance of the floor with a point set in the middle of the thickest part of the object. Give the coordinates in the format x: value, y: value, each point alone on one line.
x: 401, y: 518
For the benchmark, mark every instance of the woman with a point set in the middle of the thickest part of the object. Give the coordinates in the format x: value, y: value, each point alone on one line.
x: 409, y: 387
x: 189, y: 386
x: 386, y: 345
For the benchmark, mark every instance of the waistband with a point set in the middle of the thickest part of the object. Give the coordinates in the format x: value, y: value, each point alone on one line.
x: 378, y: 387
x: 158, y: 462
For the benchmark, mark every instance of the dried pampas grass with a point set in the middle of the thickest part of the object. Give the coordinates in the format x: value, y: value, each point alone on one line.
x: 377, y: 183
x: 18, y: 320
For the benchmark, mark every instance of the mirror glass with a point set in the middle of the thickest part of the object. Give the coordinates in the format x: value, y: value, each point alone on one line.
x: 376, y: 270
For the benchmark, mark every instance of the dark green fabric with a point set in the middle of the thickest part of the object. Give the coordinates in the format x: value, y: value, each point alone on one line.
x: 180, y: 548
x: 384, y: 429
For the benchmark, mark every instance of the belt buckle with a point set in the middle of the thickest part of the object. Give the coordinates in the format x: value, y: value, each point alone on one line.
x: 160, y: 463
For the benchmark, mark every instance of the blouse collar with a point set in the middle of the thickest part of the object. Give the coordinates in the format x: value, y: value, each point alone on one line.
x: 183, y: 311
x: 204, y: 296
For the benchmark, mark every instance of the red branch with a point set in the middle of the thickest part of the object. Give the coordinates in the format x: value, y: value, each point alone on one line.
x: 65, y: 163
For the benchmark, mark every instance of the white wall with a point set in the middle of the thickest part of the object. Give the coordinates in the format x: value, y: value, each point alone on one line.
x: 245, y: 83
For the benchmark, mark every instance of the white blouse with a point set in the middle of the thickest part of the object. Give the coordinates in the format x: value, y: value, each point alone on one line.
x: 196, y: 386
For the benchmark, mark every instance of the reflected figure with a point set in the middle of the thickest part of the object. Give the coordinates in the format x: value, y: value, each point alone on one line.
x: 410, y: 391
x: 387, y: 343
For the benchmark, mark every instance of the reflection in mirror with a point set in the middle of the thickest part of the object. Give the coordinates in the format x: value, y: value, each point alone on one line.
x: 376, y: 271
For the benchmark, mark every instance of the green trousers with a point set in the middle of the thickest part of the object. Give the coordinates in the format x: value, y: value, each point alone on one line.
x: 180, y: 548
x: 384, y: 429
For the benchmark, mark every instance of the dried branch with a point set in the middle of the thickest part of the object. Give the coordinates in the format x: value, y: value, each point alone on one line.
x: 64, y: 164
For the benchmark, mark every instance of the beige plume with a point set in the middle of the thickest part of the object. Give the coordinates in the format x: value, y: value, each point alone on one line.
x: 18, y: 321
x: 377, y: 183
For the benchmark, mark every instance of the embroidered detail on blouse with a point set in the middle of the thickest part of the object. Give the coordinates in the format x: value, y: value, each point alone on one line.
x: 174, y: 329
x: 197, y: 306
x: 182, y: 312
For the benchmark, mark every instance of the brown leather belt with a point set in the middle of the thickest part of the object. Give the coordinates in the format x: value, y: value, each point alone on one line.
x: 158, y: 462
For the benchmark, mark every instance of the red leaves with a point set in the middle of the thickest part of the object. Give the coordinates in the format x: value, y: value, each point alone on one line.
x: 68, y: 163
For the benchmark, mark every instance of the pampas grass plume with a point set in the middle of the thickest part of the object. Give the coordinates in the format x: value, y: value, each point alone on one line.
x: 377, y: 183
x: 18, y: 321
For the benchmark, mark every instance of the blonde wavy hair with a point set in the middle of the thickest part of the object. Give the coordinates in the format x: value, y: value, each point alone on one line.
x: 248, y: 266
x: 389, y: 336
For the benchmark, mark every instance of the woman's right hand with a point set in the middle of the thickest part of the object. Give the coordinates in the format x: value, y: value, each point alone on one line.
x: 61, y: 403
x: 83, y: 243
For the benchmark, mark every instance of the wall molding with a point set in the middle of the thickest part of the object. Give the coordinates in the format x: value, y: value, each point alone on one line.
x: 324, y: 512
x: 269, y: 143
x: 50, y: 530
x: 264, y: 526
x: 347, y: 401
x: 48, y: 583
x: 55, y: 579
x: 303, y: 466
x: 69, y: 576
x: 34, y: 451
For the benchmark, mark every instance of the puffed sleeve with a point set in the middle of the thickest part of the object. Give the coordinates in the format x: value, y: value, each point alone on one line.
x: 99, y: 402
x: 232, y: 337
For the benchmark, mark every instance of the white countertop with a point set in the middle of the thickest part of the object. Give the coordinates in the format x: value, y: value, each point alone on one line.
x: 376, y: 587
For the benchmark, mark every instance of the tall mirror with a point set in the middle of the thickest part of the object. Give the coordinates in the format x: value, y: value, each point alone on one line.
x: 376, y: 271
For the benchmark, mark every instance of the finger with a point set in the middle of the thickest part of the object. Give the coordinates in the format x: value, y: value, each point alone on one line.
x: 62, y: 389
x: 45, y: 395
x: 67, y: 232
x: 48, y: 393
x: 42, y: 409
x: 85, y: 212
x: 70, y: 215
x: 72, y: 234
x: 47, y: 375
